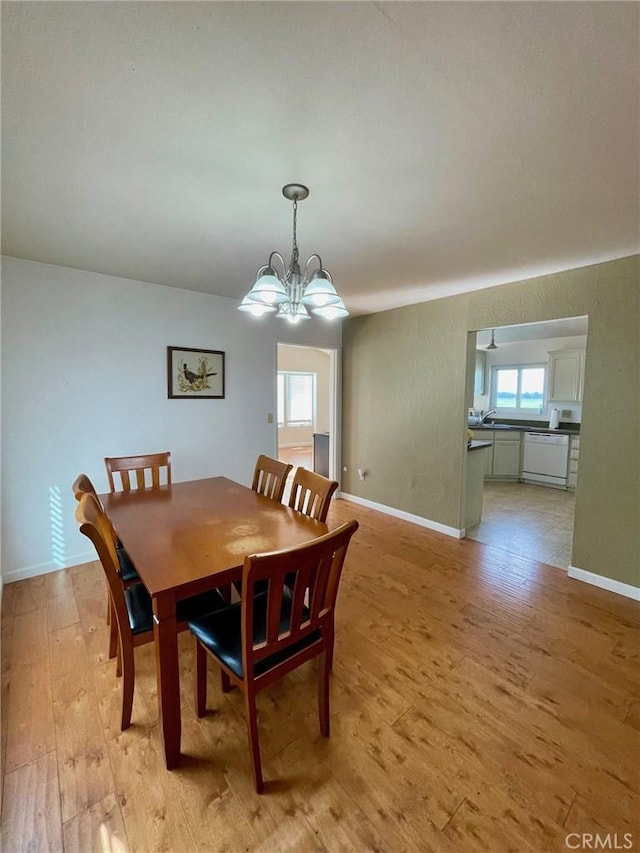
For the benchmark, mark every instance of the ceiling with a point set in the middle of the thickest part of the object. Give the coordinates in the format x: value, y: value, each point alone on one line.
x: 447, y: 146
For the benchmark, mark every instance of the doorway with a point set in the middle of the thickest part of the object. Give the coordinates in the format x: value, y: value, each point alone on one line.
x: 518, y: 380
x: 307, y: 407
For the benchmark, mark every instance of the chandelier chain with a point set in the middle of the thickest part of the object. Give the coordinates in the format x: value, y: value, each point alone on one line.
x: 294, y: 253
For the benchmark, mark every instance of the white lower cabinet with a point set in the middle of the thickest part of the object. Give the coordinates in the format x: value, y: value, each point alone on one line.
x: 574, y: 458
x: 502, y: 459
x: 506, y: 458
x: 485, y: 435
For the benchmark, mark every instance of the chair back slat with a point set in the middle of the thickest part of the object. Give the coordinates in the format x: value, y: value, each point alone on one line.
x: 315, y: 567
x: 124, y: 466
x: 311, y: 493
x: 270, y: 477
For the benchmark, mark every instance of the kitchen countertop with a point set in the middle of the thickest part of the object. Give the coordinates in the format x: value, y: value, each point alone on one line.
x: 477, y: 445
x: 526, y: 428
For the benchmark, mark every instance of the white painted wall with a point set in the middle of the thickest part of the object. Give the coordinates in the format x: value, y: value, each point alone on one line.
x: 307, y: 360
x: 84, y: 376
x: 531, y: 352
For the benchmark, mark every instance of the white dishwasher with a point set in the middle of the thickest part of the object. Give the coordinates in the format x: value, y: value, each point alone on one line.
x: 546, y: 458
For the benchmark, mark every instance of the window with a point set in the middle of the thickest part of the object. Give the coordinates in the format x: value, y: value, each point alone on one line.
x: 518, y: 388
x: 296, y: 399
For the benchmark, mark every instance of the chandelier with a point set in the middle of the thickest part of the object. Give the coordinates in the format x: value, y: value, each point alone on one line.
x: 294, y: 293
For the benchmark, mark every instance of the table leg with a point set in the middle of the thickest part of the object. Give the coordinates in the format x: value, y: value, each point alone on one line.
x: 168, y: 675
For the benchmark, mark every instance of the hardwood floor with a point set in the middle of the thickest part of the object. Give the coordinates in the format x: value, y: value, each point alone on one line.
x: 479, y: 702
x: 297, y: 456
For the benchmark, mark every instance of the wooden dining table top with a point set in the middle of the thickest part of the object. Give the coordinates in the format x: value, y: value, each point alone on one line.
x: 184, y: 536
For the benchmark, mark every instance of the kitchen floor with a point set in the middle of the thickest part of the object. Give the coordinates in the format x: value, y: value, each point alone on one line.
x: 532, y: 521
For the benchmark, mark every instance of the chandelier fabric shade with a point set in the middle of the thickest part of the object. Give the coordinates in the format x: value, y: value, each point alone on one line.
x: 294, y: 295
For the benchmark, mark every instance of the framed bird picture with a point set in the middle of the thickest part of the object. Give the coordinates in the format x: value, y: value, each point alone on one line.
x: 195, y: 373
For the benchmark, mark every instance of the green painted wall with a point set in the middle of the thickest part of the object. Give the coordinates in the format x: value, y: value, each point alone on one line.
x: 404, y: 406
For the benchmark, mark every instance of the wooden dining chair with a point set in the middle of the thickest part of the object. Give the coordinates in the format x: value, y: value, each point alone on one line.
x: 311, y: 493
x: 268, y: 634
x: 270, y: 477
x: 82, y: 485
x: 132, y: 607
x: 146, y: 468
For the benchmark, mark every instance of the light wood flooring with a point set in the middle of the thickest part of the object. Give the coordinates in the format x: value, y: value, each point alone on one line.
x: 297, y: 456
x: 532, y: 521
x: 479, y: 702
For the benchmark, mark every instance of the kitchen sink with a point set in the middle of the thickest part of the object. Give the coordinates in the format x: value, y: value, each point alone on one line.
x: 492, y: 426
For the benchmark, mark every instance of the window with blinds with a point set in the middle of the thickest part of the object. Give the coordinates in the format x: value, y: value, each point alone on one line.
x: 296, y: 399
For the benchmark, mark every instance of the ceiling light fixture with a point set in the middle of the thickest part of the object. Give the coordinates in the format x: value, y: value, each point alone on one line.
x: 493, y: 344
x: 293, y: 293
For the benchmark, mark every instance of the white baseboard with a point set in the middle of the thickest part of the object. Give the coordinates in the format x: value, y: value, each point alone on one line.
x: 50, y: 566
x: 405, y: 516
x: 305, y: 444
x: 605, y: 583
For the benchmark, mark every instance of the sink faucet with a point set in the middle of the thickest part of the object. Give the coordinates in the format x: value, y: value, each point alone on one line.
x: 488, y: 414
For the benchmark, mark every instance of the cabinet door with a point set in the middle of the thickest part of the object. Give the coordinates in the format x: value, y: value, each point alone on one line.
x: 486, y: 435
x: 574, y: 461
x: 506, y: 458
x: 566, y: 376
x: 479, y: 387
x: 488, y: 461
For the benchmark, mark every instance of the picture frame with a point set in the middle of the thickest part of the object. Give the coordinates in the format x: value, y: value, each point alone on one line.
x: 195, y: 373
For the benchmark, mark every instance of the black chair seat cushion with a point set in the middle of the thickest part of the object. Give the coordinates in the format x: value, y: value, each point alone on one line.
x: 263, y: 585
x: 221, y: 633
x: 140, y: 608
x: 128, y: 571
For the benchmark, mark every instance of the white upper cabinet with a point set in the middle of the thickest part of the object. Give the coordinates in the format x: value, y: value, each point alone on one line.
x: 480, y: 382
x: 566, y: 375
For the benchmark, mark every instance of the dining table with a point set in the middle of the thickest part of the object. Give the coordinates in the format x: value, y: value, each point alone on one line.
x: 188, y: 538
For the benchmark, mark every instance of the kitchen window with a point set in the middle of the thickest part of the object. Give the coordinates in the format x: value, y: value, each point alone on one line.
x: 518, y: 389
x: 296, y: 398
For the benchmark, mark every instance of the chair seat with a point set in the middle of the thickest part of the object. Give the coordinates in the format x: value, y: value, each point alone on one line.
x: 221, y: 633
x: 128, y: 571
x: 140, y: 608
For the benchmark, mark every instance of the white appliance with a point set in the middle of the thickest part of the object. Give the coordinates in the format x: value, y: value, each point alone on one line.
x: 545, y: 459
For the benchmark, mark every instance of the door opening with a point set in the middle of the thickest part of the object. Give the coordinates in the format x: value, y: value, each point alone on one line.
x: 307, y: 408
x: 529, y: 375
